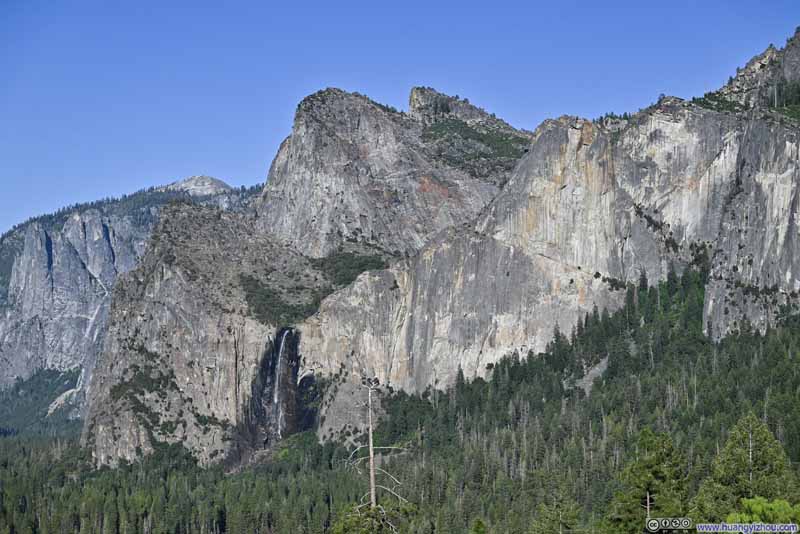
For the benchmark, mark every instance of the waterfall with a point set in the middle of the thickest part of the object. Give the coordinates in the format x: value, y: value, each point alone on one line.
x: 278, y: 364
x: 281, y: 403
x: 276, y: 383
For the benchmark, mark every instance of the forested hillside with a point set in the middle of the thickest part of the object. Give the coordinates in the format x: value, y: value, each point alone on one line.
x: 535, y: 448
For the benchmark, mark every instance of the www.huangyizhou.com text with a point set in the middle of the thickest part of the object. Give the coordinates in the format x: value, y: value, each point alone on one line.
x: 746, y: 528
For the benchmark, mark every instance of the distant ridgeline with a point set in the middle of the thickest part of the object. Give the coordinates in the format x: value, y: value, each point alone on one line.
x: 141, y: 206
x: 532, y: 443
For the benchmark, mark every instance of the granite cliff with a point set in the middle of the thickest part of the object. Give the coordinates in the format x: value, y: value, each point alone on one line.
x: 586, y: 211
x: 591, y: 206
x: 356, y: 171
x: 183, y: 359
x: 409, y: 245
x: 57, y: 274
x: 197, y: 343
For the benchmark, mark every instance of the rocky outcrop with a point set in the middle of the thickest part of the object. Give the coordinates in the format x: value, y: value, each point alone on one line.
x: 185, y: 361
x: 764, y: 80
x: 58, y: 272
x: 586, y: 210
x: 485, y: 262
x: 200, y: 186
x: 59, y: 291
x: 459, y: 134
x: 356, y: 171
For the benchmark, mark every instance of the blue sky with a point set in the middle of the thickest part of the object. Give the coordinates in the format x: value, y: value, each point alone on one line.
x: 101, y: 98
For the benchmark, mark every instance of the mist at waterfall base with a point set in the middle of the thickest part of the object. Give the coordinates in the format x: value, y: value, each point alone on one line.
x: 279, y: 405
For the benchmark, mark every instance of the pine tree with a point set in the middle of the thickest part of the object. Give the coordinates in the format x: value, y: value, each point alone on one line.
x: 478, y: 527
x: 761, y: 510
x: 558, y: 517
x: 653, y: 485
x: 752, y: 464
x: 110, y: 515
x: 367, y: 520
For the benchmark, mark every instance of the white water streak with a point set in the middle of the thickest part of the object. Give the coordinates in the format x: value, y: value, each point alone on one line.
x: 276, y: 383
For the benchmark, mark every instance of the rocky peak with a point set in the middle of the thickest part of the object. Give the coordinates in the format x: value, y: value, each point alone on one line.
x: 333, y: 98
x: 791, y: 57
x: 762, y: 81
x: 356, y: 171
x: 209, y: 365
x: 428, y: 105
x: 200, y: 186
x: 347, y: 116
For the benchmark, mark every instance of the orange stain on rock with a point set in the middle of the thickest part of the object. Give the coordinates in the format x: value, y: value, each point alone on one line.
x: 428, y: 184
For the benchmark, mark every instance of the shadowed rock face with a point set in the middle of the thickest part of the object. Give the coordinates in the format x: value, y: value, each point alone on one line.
x: 278, y: 402
x: 273, y: 408
x: 59, y: 292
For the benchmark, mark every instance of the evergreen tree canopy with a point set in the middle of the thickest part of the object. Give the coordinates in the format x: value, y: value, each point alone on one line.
x: 752, y: 464
x: 542, y: 434
x: 761, y: 510
x: 366, y: 520
x: 478, y: 527
x: 653, y: 485
x: 560, y: 516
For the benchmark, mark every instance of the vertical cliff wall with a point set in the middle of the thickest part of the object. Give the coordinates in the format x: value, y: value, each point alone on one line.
x: 280, y: 403
x: 586, y: 210
x: 484, y: 261
x: 353, y: 170
x: 57, y: 275
x: 185, y: 359
x: 59, y: 291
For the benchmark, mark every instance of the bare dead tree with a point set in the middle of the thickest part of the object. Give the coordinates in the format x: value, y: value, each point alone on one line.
x: 356, y: 460
x: 371, y: 384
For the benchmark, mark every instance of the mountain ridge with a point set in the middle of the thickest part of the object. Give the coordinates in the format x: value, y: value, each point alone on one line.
x: 331, y: 131
x: 57, y: 273
x: 492, y: 238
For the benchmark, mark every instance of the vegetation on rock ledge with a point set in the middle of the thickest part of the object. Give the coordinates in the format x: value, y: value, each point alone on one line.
x: 501, y: 144
x: 271, y: 306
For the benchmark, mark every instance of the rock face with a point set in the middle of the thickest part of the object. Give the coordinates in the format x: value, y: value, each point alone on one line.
x: 585, y: 210
x: 588, y: 208
x: 484, y: 261
x: 764, y: 80
x: 197, y: 350
x: 276, y: 406
x: 58, y: 273
x: 184, y: 361
x: 356, y: 171
x: 477, y: 294
x: 59, y: 291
